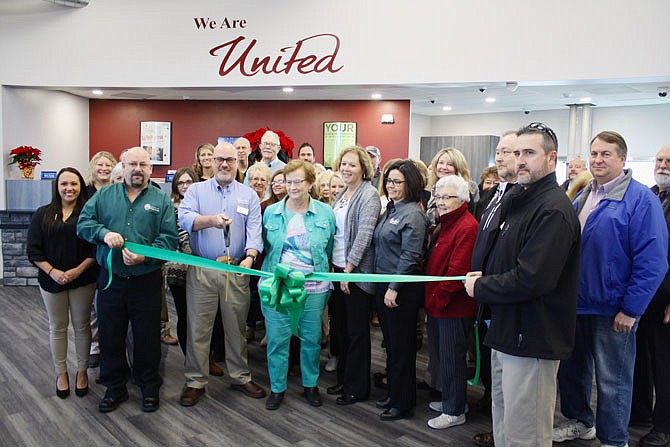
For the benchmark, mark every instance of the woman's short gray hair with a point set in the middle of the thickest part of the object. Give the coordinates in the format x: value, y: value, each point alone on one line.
x: 462, y: 188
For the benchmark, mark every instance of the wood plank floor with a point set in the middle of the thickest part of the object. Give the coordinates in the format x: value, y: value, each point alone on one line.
x: 32, y: 415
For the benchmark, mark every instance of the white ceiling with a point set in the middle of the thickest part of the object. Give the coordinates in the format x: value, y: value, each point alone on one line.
x: 425, y: 99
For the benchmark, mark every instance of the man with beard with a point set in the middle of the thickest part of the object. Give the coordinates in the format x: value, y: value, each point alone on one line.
x: 575, y: 166
x: 652, y: 363
x: 139, y: 212
x: 530, y: 264
x: 223, y: 219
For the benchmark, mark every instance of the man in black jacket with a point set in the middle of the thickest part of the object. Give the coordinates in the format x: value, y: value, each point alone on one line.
x: 529, y: 280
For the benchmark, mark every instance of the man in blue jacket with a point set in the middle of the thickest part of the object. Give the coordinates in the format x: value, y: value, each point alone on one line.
x: 623, y: 261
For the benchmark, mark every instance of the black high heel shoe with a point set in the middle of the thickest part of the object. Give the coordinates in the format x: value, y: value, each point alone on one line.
x: 81, y: 392
x: 63, y: 393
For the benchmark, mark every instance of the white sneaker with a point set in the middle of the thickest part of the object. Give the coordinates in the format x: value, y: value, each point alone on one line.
x: 437, y: 406
x: 331, y: 364
x: 572, y: 429
x: 445, y: 421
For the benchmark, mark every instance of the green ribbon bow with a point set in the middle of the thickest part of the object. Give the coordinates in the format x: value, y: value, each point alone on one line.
x: 286, y: 293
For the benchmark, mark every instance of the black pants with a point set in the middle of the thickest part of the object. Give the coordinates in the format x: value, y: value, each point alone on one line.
x: 652, y: 369
x: 136, y: 301
x: 399, y: 329
x: 356, y: 370
x: 338, y: 329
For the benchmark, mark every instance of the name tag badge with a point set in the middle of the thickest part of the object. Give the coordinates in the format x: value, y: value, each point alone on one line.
x: 242, y: 210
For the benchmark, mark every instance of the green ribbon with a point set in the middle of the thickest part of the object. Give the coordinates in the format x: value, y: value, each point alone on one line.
x: 197, y: 261
x: 285, y: 292
x: 282, y: 289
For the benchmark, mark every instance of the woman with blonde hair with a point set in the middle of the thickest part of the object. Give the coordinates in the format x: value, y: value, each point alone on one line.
x: 259, y: 176
x: 204, y: 162
x: 356, y: 211
x: 578, y: 183
x: 99, y: 172
x: 451, y: 161
x: 336, y: 185
x: 322, y: 186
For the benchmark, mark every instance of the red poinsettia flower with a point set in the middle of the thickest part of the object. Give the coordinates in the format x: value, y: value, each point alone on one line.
x: 25, y: 156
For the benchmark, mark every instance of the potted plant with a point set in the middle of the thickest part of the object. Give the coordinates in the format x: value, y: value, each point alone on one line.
x: 27, y: 157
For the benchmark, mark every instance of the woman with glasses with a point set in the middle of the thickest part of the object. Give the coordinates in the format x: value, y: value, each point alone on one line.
x: 67, y: 275
x: 322, y: 186
x: 451, y: 310
x: 176, y: 273
x: 399, y: 241
x: 277, y: 193
x: 356, y: 211
x: 297, y: 231
x: 259, y: 176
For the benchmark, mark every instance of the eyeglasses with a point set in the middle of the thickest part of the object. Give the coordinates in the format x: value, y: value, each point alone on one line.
x: 396, y: 182
x: 269, y: 144
x: 296, y: 182
x: 185, y: 183
x: 437, y: 197
x: 229, y: 160
x: 134, y: 164
x: 277, y: 182
x: 544, y: 129
x: 258, y: 179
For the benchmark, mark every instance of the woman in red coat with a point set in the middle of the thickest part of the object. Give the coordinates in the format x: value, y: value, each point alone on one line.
x: 452, y: 310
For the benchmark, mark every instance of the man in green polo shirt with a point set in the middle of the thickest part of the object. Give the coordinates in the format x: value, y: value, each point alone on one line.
x: 138, y: 212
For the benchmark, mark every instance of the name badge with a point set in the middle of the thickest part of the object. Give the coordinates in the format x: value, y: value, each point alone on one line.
x: 242, y: 210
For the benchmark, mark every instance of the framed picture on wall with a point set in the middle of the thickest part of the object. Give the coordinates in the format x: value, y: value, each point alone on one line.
x: 336, y: 136
x: 156, y: 138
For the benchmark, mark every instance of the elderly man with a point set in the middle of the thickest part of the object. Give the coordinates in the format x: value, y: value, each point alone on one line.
x: 135, y: 211
x: 243, y: 148
x: 270, y: 147
x: 624, y: 260
x: 376, y: 158
x: 652, y: 363
x: 575, y: 166
x: 306, y: 153
x: 529, y: 279
x: 223, y: 219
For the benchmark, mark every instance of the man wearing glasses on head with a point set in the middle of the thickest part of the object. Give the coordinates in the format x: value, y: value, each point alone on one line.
x: 223, y: 219
x: 530, y: 267
x: 269, y: 149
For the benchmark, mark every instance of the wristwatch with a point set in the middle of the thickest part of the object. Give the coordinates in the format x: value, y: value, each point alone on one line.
x: 253, y: 258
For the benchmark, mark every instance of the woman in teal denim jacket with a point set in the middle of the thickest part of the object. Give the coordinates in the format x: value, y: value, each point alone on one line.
x: 298, y: 231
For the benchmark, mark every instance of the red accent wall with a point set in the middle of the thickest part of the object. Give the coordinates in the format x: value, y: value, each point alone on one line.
x: 115, y: 124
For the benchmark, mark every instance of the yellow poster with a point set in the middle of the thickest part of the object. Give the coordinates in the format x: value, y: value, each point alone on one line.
x: 337, y: 136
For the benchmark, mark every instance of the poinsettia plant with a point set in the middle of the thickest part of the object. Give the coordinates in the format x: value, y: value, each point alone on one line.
x: 25, y: 156
x: 285, y: 141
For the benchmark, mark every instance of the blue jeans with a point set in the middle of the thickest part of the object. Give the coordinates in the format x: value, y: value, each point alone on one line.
x: 613, y: 354
x: 278, y: 327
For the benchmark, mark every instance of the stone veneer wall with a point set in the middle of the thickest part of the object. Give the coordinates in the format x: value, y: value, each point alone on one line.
x: 17, y: 270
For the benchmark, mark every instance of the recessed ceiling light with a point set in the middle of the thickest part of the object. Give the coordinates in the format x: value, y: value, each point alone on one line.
x: 585, y: 99
x: 446, y: 108
x: 287, y: 89
x: 97, y: 92
x: 490, y: 99
x: 376, y: 96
